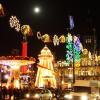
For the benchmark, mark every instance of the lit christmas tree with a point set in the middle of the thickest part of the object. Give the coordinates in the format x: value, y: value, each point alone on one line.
x: 74, y: 48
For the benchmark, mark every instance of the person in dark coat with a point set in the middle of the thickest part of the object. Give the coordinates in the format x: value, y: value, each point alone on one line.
x: 10, y: 92
x: 4, y: 92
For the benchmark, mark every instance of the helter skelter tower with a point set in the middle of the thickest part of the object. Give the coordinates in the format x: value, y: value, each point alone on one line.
x: 45, y: 74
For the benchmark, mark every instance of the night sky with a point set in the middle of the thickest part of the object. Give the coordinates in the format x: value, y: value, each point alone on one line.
x: 53, y: 19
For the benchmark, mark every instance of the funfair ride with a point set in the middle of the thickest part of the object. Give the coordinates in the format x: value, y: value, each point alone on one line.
x: 15, y: 62
x: 45, y: 74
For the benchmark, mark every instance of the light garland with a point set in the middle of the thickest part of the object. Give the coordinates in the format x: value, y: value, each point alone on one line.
x: 55, y: 39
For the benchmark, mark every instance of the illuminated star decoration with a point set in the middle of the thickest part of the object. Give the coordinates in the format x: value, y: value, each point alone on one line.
x: 14, y: 23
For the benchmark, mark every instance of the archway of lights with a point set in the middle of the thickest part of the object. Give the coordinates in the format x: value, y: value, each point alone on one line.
x: 15, y: 62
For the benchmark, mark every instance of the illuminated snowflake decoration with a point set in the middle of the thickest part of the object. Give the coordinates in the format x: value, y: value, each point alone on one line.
x: 14, y: 23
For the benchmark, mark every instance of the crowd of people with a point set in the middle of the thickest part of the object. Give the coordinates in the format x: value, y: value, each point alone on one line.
x: 19, y: 93
x: 8, y: 93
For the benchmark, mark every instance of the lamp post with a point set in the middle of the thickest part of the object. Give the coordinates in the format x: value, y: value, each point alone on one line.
x: 73, y: 59
x: 71, y: 21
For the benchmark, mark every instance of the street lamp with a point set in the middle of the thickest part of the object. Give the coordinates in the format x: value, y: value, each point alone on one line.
x: 71, y: 21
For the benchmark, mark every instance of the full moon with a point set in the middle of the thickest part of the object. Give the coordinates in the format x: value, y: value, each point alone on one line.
x: 36, y: 9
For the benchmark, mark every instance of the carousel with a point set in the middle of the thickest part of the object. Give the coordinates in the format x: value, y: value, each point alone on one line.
x: 15, y: 63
